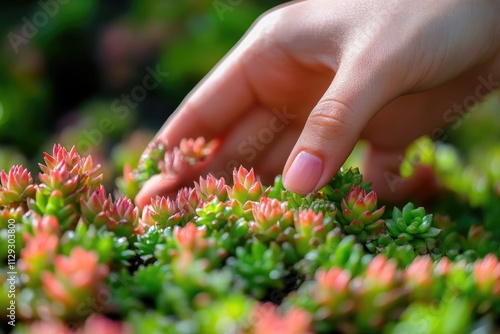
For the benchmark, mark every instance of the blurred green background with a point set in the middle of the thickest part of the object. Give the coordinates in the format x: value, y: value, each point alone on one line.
x: 66, y: 63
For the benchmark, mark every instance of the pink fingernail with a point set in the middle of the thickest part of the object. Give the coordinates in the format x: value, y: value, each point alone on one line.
x: 304, y: 173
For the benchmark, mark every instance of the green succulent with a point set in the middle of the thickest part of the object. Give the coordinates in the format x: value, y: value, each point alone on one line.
x: 412, y: 226
x: 258, y: 268
x: 341, y: 184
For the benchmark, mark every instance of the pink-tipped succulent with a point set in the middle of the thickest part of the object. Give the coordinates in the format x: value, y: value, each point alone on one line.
x: 308, y: 223
x: 68, y: 172
x: 16, y: 186
x: 37, y: 254
x: 94, y: 206
x: 59, y: 178
x: 335, y: 280
x: 195, y: 150
x: 64, y: 178
x: 173, y: 163
x: 487, y: 275
x: 45, y: 224
x: 268, y: 320
x: 332, y: 291
x: 162, y: 212
x: 190, y: 238
x: 271, y: 218
x: 76, y: 278
x: 381, y: 273
x: 419, y: 277
x: 123, y: 217
x: 188, y: 200
x: 360, y: 213
x: 98, y: 324
x: 211, y: 188
x: 246, y: 186
x: 377, y: 292
x: 310, y: 230
x: 95, y: 324
x: 7, y: 214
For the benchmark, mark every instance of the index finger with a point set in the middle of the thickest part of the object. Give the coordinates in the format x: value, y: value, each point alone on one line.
x: 218, y: 101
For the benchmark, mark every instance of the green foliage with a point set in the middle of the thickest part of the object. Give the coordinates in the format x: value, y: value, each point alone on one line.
x: 209, y: 259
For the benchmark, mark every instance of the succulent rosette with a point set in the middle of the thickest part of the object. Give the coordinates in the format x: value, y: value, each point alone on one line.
x: 211, y: 187
x: 272, y: 219
x: 246, y: 186
x: 360, y: 214
x: 311, y: 230
x: 340, y: 186
x: 16, y: 186
x: 75, y: 279
x: 412, y: 226
x: 99, y: 209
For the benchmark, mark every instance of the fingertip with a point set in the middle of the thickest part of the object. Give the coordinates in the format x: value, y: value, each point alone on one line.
x: 304, y: 173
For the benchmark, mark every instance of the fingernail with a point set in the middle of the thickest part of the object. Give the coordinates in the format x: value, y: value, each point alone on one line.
x: 304, y: 173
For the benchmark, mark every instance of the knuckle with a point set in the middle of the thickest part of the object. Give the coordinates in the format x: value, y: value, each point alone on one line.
x: 333, y: 114
x: 269, y: 26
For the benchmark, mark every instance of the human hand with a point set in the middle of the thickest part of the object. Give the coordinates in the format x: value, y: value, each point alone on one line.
x: 312, y: 77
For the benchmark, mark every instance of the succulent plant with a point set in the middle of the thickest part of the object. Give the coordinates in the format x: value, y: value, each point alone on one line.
x: 412, y: 225
x: 212, y: 257
x: 210, y: 188
x: 311, y: 230
x: 149, y: 163
x: 16, y: 186
x: 272, y: 219
x: 246, y: 187
x: 74, y: 280
x: 258, y: 268
x: 343, y: 182
x: 269, y: 320
x: 360, y: 214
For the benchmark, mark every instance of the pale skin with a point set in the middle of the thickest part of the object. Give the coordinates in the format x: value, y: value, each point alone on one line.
x: 381, y: 70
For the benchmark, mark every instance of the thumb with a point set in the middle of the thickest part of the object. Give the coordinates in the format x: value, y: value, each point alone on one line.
x: 333, y: 128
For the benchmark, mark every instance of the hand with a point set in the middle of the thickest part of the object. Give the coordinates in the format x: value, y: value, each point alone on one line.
x: 312, y: 77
